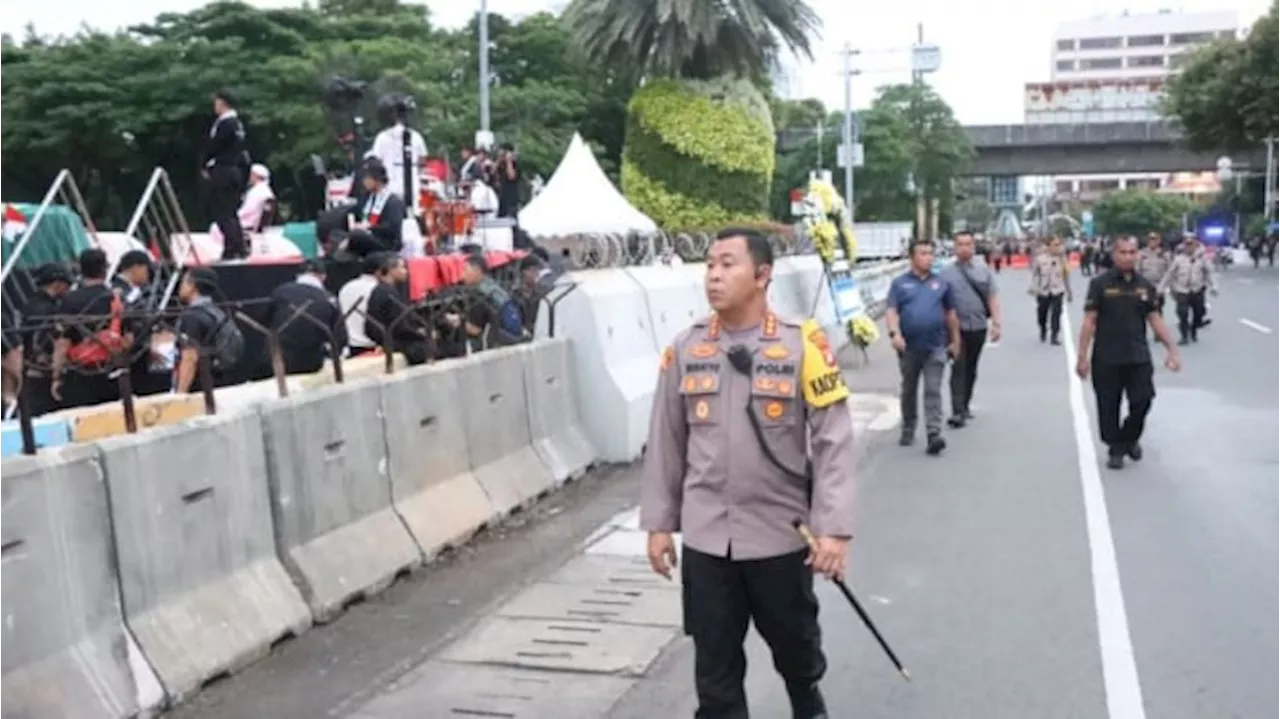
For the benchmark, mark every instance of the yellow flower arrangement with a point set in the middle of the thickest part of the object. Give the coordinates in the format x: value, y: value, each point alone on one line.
x: 826, y: 222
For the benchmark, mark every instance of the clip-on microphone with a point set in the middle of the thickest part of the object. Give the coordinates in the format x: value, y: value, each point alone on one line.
x: 740, y: 360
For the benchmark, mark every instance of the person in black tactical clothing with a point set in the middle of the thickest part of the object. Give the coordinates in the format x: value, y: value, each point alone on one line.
x: 37, y: 331
x: 389, y: 321
x: 306, y: 341
x: 85, y: 338
x: 381, y: 217
x: 225, y: 170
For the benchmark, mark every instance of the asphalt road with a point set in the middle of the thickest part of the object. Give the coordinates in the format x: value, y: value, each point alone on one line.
x: 1016, y: 577
x: 998, y: 587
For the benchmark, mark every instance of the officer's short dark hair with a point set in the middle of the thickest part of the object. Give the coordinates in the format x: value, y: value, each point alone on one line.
x: 388, y: 262
x: 227, y: 98
x: 918, y: 244
x: 93, y: 264
x: 314, y: 266
x: 1123, y: 238
x: 961, y: 233
x: 757, y: 244
x: 205, y: 280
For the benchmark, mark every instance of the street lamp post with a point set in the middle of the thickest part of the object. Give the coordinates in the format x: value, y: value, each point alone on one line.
x: 483, y: 31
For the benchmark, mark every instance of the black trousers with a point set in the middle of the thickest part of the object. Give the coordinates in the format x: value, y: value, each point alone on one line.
x: 1111, y: 384
x: 1049, y: 310
x: 1190, y: 307
x: 363, y: 243
x: 721, y: 597
x: 964, y: 369
x: 224, y: 187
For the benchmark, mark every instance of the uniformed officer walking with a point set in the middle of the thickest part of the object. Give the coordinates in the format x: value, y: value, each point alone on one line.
x: 1119, y: 305
x: 1187, y: 277
x: 1049, y: 285
x: 1153, y: 263
x: 750, y: 432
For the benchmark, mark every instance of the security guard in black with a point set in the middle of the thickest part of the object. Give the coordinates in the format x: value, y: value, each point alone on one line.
x: 1119, y: 305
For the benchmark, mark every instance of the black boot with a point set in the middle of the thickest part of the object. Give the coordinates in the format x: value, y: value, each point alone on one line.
x: 907, y: 438
x: 807, y: 702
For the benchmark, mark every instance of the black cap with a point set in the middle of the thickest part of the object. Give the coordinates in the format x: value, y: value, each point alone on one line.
x: 50, y: 273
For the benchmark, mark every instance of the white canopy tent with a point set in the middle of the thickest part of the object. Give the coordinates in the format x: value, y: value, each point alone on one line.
x: 580, y: 200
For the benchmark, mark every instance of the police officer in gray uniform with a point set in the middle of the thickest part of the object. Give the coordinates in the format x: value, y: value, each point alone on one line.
x: 750, y: 432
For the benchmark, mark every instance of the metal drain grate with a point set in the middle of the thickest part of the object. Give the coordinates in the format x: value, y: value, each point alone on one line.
x: 442, y: 690
x: 620, y: 572
x: 609, y: 603
x: 563, y: 645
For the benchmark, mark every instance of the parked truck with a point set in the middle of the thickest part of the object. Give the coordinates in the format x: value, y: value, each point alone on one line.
x: 882, y: 240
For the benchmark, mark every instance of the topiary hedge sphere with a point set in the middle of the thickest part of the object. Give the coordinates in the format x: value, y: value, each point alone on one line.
x: 699, y: 154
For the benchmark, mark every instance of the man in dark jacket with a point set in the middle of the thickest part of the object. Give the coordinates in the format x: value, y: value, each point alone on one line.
x: 307, y: 321
x: 226, y: 164
x: 381, y: 218
x: 390, y: 321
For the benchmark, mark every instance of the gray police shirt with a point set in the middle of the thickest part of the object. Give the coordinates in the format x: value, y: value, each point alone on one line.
x: 969, y: 306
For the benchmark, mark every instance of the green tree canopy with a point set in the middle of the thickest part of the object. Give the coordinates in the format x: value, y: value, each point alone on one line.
x: 908, y: 132
x: 1224, y: 98
x: 111, y: 107
x: 1139, y: 211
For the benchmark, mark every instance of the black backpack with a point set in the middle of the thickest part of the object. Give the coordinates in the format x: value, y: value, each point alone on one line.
x: 228, y: 340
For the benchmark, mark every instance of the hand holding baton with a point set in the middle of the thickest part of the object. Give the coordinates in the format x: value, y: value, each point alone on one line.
x: 853, y: 602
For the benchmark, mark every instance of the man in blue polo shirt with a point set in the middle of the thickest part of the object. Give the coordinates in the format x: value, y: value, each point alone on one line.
x: 924, y: 329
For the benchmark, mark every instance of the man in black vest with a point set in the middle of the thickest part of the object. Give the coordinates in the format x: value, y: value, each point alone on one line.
x: 226, y: 163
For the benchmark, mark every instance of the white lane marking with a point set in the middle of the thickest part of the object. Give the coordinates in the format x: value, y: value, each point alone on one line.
x: 1119, y: 668
x: 1255, y: 326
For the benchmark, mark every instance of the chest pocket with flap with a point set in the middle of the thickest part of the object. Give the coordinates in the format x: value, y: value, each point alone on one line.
x: 702, y: 401
x: 773, y: 398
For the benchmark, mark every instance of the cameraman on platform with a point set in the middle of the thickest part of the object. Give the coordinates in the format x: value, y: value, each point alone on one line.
x: 400, y: 149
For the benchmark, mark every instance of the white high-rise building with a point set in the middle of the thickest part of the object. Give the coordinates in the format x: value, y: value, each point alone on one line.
x: 1112, y: 69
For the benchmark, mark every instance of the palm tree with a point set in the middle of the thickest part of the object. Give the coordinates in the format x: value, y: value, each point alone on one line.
x: 694, y: 39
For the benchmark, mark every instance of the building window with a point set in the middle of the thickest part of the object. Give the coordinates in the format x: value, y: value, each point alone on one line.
x: 1063, y: 187
x: 1189, y: 38
x: 1066, y: 44
x: 1146, y: 40
x: 1066, y: 65
x: 1147, y: 61
x: 1177, y: 60
x: 1099, y: 185
x: 1227, y: 34
x: 1101, y: 63
x: 1101, y: 43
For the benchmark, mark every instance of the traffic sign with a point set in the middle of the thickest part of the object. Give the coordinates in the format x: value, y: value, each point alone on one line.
x: 842, y: 155
x: 926, y: 58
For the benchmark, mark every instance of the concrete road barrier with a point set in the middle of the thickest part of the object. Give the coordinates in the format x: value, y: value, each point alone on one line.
x: 437, y: 496
x: 495, y: 410
x: 66, y: 650
x: 336, y: 530
x: 614, y: 357
x: 674, y: 298
x: 202, y: 589
x: 785, y: 296
x: 557, y: 434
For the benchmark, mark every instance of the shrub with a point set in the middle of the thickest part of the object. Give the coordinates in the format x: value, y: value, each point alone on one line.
x: 699, y: 154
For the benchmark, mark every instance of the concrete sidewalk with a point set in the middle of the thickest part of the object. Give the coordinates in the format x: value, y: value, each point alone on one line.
x: 573, y: 644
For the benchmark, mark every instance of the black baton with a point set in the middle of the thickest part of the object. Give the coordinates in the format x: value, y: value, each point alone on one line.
x: 853, y: 602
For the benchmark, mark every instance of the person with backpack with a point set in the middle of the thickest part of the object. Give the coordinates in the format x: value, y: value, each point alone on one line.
x: 205, y: 332
x: 91, y: 338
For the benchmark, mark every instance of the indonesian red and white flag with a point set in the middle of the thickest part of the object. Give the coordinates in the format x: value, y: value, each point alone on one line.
x: 14, y: 222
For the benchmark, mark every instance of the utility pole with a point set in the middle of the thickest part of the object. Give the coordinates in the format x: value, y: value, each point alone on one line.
x: 848, y: 139
x: 483, y: 26
x: 821, y: 126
